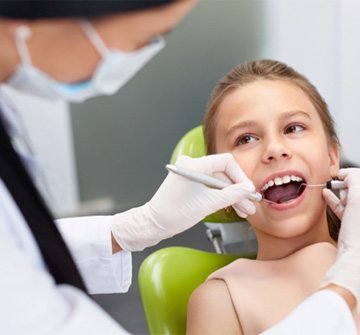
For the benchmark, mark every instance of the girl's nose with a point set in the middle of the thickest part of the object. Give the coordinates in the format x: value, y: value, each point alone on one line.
x: 276, y: 150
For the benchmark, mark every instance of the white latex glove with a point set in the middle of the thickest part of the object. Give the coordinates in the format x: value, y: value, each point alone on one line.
x: 180, y: 203
x: 346, y: 270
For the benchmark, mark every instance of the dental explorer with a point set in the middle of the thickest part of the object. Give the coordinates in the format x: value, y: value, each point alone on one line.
x: 207, y: 180
x: 330, y: 184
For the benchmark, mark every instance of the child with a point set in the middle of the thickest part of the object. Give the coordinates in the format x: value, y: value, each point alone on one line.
x: 278, y: 128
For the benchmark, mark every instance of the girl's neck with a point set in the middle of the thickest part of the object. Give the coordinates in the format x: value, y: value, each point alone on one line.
x: 272, y: 248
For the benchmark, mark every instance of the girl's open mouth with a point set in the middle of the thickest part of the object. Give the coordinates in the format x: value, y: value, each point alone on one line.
x: 281, y: 190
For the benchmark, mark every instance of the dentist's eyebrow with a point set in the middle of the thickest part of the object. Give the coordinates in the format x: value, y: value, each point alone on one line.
x: 168, y: 32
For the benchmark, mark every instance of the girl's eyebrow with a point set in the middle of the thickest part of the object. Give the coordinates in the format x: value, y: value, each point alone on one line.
x: 253, y: 123
x: 290, y: 114
x: 242, y: 124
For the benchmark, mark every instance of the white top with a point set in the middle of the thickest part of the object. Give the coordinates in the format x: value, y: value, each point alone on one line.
x: 323, y: 313
x: 31, y: 302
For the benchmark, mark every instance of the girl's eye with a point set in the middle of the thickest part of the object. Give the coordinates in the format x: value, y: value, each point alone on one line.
x: 247, y: 138
x: 294, y: 128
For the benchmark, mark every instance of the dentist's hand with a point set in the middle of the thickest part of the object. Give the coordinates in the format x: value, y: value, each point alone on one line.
x: 346, y: 270
x: 180, y: 203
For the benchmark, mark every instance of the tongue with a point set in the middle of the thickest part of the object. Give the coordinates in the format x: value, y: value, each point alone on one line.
x: 282, y: 193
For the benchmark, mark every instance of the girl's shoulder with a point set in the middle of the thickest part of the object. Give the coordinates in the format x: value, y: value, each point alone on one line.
x: 211, y: 311
x: 319, y: 255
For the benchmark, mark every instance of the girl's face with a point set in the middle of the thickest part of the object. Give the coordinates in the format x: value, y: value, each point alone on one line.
x: 276, y: 135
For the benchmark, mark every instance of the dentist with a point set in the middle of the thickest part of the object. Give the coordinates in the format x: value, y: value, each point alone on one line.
x: 74, y: 50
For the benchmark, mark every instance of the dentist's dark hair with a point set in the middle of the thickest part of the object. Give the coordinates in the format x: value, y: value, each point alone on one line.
x: 47, y: 9
x: 249, y: 72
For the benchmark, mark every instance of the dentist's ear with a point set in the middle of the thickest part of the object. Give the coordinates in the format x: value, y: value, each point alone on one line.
x: 334, y: 157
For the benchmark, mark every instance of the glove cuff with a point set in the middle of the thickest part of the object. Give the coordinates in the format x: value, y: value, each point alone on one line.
x: 135, y: 229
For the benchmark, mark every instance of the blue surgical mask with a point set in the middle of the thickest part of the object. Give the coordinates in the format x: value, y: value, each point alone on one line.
x: 115, y: 69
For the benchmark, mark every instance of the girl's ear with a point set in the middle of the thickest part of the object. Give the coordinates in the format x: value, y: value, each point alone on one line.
x: 334, y: 156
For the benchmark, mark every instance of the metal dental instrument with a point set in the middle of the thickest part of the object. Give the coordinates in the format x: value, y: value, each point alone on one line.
x: 207, y: 180
x: 330, y: 184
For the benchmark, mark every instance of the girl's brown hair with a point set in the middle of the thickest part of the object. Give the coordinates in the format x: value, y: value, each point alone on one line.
x: 249, y: 72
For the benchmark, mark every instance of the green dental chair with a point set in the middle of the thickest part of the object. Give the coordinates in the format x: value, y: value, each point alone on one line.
x: 168, y: 276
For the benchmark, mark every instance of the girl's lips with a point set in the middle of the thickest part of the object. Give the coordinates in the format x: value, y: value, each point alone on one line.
x: 289, y: 204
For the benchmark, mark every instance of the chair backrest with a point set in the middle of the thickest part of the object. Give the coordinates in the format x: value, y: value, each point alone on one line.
x: 166, y: 280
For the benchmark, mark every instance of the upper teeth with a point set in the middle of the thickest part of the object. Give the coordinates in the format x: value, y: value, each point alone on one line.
x: 280, y: 181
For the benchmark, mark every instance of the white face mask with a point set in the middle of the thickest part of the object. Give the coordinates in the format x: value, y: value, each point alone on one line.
x: 114, y: 70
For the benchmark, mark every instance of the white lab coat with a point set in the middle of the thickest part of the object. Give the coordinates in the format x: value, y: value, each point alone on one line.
x: 31, y: 302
